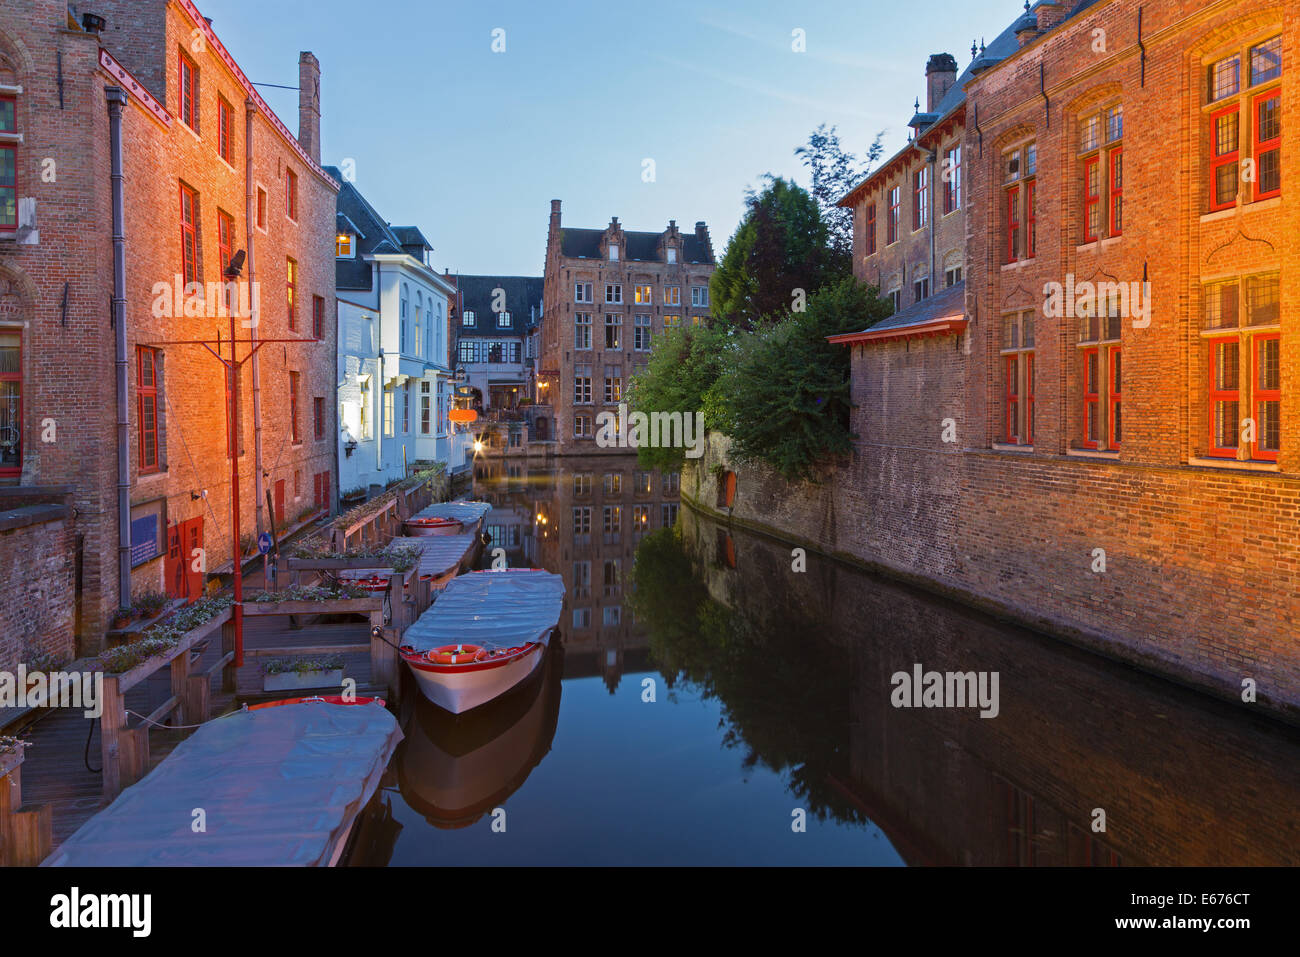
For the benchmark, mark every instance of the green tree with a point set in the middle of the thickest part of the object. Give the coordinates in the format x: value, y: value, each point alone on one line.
x: 781, y: 245
x: 835, y: 171
x: 785, y: 389
x: 680, y: 377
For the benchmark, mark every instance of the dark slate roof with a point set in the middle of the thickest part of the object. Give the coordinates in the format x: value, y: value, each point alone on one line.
x: 1003, y: 45
x: 641, y: 246
x: 374, y: 235
x: 943, y: 304
x: 521, y: 293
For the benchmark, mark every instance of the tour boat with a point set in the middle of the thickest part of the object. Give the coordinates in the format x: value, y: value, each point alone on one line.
x: 280, y: 783
x: 448, y: 518
x: 369, y: 583
x: 487, y: 632
x: 454, y: 768
x: 432, y: 525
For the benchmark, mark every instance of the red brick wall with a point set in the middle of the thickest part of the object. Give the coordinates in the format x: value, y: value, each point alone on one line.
x: 68, y: 358
x: 1201, y: 576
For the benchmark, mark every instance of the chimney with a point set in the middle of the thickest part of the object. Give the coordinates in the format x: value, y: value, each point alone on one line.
x: 309, y: 104
x: 555, y: 216
x: 1050, y: 13
x: 940, y: 75
x: 702, y: 236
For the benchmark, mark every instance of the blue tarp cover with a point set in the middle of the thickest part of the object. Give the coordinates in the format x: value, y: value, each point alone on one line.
x: 466, y: 512
x: 493, y: 609
x: 276, y: 786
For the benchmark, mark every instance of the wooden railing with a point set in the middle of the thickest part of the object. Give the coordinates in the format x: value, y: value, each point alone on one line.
x: 125, y: 750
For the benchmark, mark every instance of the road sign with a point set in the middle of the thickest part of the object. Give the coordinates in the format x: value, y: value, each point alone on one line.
x: 264, y: 543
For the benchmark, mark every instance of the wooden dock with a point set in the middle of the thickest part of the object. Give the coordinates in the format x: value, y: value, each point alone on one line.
x: 55, y: 773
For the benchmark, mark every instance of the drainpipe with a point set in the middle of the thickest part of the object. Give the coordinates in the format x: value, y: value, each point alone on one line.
x: 379, y: 378
x: 250, y: 217
x: 116, y: 101
x: 933, y: 199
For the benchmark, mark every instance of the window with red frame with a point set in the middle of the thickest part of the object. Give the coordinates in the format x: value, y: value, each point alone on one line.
x: 320, y: 488
x: 1019, y: 169
x: 1252, y: 155
x: 11, y: 401
x: 1267, y: 145
x: 293, y: 408
x: 1018, y: 378
x: 318, y: 416
x: 1116, y: 400
x: 1101, y: 136
x: 921, y: 197
x: 317, y: 317
x: 869, y: 230
x: 1244, y: 391
x: 952, y: 180
x: 189, y: 234
x: 291, y: 293
x: 189, y: 92
x: 1225, y: 396
x: 291, y: 194
x: 223, y: 129
x: 261, y: 208
x: 891, y: 222
x: 1031, y: 221
x: 1100, y: 372
x: 147, y: 398
x: 225, y: 239
x: 8, y: 164
x: 1013, y: 224
x: 1225, y: 155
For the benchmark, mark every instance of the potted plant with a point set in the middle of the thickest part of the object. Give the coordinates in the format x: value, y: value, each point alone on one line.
x: 11, y: 754
x: 122, y: 617
x: 296, y: 674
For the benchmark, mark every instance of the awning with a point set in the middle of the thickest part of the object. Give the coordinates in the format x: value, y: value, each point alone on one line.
x: 942, y: 314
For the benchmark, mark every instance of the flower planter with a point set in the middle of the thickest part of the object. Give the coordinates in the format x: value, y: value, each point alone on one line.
x: 10, y: 760
x: 302, y: 680
x: 123, y: 622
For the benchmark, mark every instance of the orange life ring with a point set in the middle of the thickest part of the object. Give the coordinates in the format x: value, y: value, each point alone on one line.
x: 457, y: 654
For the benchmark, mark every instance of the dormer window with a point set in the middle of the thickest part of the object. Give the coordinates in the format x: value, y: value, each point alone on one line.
x: 613, y: 252
x: 672, y: 254
x: 343, y: 246
x: 503, y: 320
x: 469, y: 318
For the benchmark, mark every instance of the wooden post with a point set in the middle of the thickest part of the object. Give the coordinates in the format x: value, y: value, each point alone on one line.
x: 134, y: 754
x: 384, y: 662
x: 11, y: 799
x: 110, y: 727
x: 180, y: 668
x: 32, y: 830
x: 196, y: 702
x: 228, y: 671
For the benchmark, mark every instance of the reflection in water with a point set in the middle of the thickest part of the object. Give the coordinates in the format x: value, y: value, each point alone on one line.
x: 453, y: 769
x: 1180, y: 778
x: 711, y: 692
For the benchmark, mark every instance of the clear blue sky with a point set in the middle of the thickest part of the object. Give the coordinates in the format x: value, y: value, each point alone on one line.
x: 472, y: 145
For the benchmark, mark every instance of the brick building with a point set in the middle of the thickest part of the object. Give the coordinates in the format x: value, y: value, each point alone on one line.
x: 608, y: 293
x: 1097, y: 437
x: 207, y: 170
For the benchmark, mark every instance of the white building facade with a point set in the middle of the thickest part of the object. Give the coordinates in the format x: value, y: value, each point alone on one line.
x: 395, y: 386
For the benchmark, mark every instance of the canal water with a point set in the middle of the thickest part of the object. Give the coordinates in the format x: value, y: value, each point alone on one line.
x: 711, y: 701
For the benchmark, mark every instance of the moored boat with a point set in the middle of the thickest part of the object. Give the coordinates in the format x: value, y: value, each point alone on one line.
x: 487, y: 632
x: 448, y: 518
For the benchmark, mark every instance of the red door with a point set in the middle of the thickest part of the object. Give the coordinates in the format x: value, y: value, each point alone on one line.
x: 186, y: 561
x: 279, y: 504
